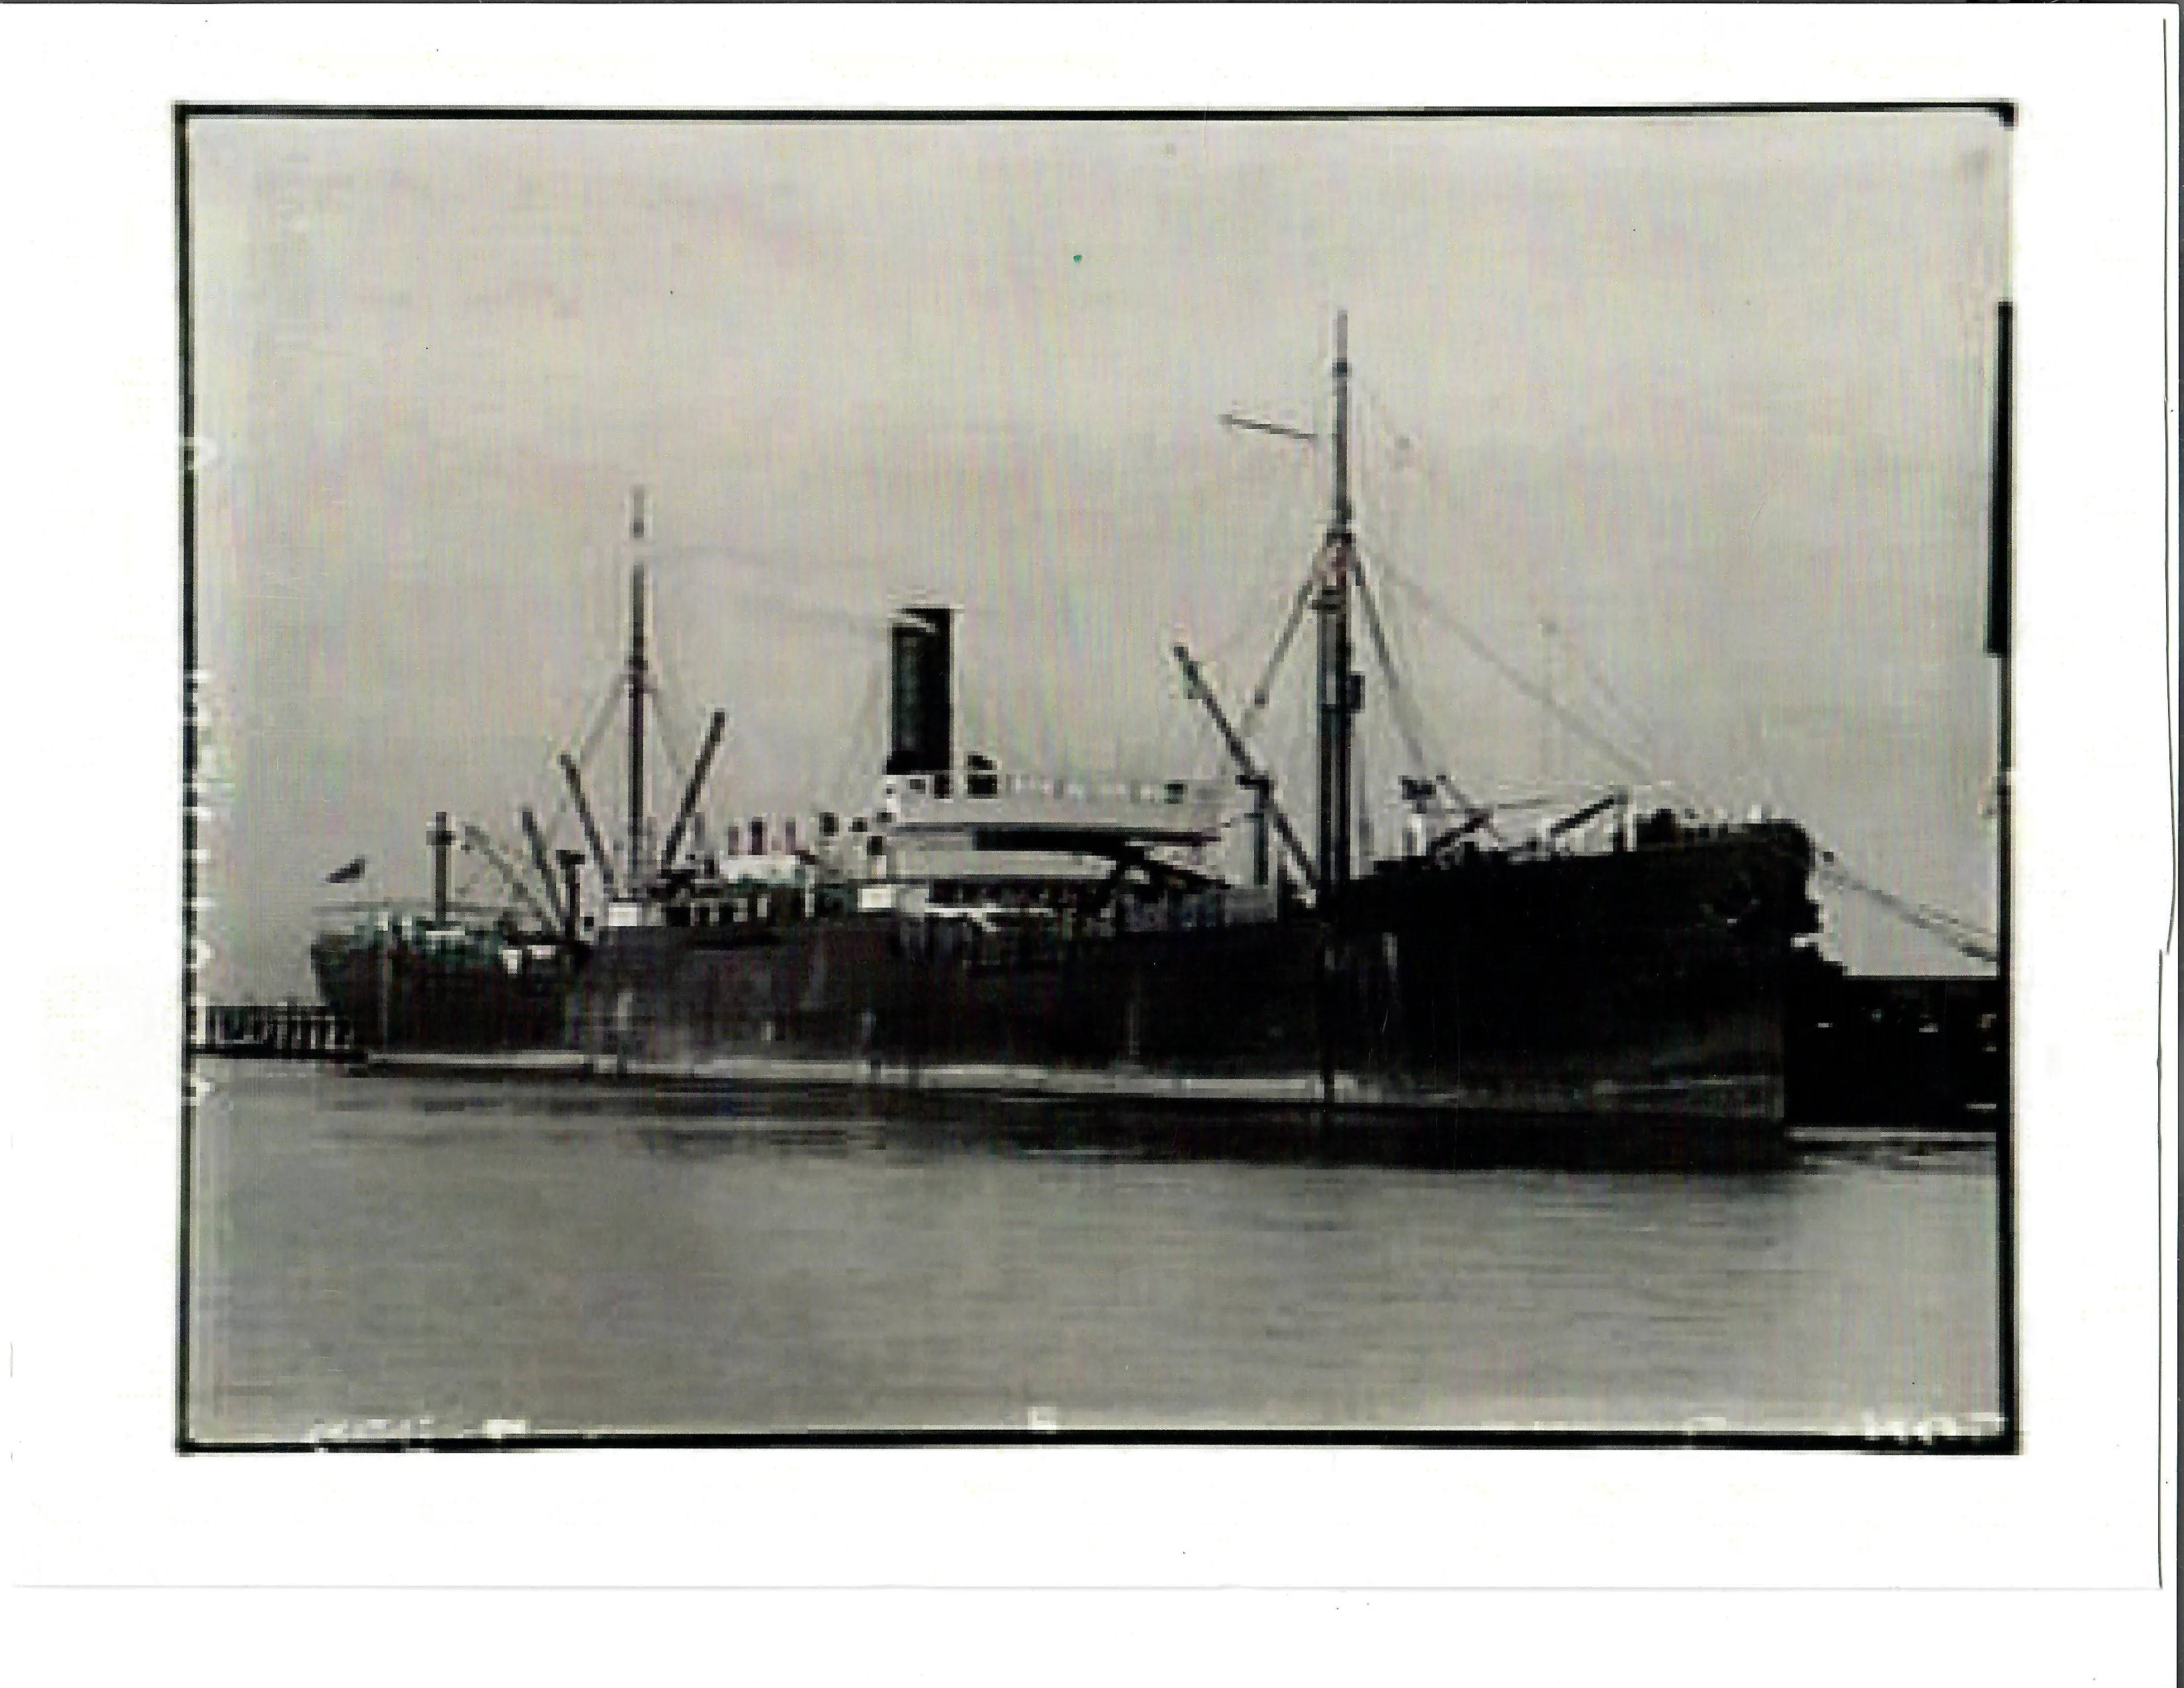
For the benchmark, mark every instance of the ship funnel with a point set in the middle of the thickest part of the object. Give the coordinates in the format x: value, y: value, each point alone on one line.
x: 921, y: 701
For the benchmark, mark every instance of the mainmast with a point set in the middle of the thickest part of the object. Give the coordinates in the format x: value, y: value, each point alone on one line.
x: 1339, y: 687
x: 1998, y: 632
x: 2000, y: 637
x: 637, y: 682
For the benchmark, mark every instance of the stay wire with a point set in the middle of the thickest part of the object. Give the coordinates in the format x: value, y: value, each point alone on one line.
x: 1254, y: 706
x: 1965, y: 935
x: 1438, y: 488
x: 552, y: 771
x: 1401, y: 708
x: 1624, y: 759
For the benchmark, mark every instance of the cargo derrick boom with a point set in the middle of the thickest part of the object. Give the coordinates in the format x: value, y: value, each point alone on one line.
x: 575, y: 777
x: 688, y: 806
x: 543, y: 861
x: 1599, y: 806
x: 475, y: 837
x: 1249, y: 774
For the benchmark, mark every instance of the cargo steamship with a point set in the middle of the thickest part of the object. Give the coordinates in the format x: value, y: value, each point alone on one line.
x: 984, y: 930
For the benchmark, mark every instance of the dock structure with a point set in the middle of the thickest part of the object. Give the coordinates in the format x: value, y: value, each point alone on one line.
x: 284, y: 1031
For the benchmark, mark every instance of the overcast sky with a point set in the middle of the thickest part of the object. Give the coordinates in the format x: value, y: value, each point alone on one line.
x: 1711, y: 396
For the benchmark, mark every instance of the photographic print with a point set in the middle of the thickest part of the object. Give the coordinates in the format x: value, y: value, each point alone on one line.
x: 1108, y: 777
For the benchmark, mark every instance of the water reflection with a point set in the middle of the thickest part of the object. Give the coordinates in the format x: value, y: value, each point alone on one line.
x: 384, y: 1251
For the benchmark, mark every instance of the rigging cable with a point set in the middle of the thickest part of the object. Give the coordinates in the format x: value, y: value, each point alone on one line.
x: 1628, y: 763
x: 1440, y: 490
x: 1256, y: 705
x: 1972, y: 938
x: 1410, y: 720
x: 1965, y: 935
x: 671, y: 737
x: 616, y: 689
x: 600, y: 718
x: 1403, y: 708
x: 1635, y: 722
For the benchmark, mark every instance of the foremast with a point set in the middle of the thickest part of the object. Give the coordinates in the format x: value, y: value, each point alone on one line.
x: 634, y: 892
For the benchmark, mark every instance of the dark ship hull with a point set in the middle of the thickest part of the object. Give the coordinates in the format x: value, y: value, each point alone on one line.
x: 1663, y: 984
x: 446, y: 989
x: 1646, y: 982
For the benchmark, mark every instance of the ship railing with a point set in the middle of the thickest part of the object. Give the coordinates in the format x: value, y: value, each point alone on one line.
x: 420, y: 909
x: 294, y: 1029
x: 753, y: 905
x: 1146, y: 793
x: 967, y: 932
x: 1201, y: 911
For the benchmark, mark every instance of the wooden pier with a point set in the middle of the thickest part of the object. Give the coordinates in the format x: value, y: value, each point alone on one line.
x: 284, y: 1031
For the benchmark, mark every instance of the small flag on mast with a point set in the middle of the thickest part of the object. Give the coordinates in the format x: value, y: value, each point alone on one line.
x: 348, y: 874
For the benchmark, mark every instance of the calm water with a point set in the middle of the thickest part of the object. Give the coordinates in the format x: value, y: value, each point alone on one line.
x: 440, y: 1257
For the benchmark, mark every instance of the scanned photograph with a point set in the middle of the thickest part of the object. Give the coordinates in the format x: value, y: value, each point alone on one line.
x: 1038, y: 778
